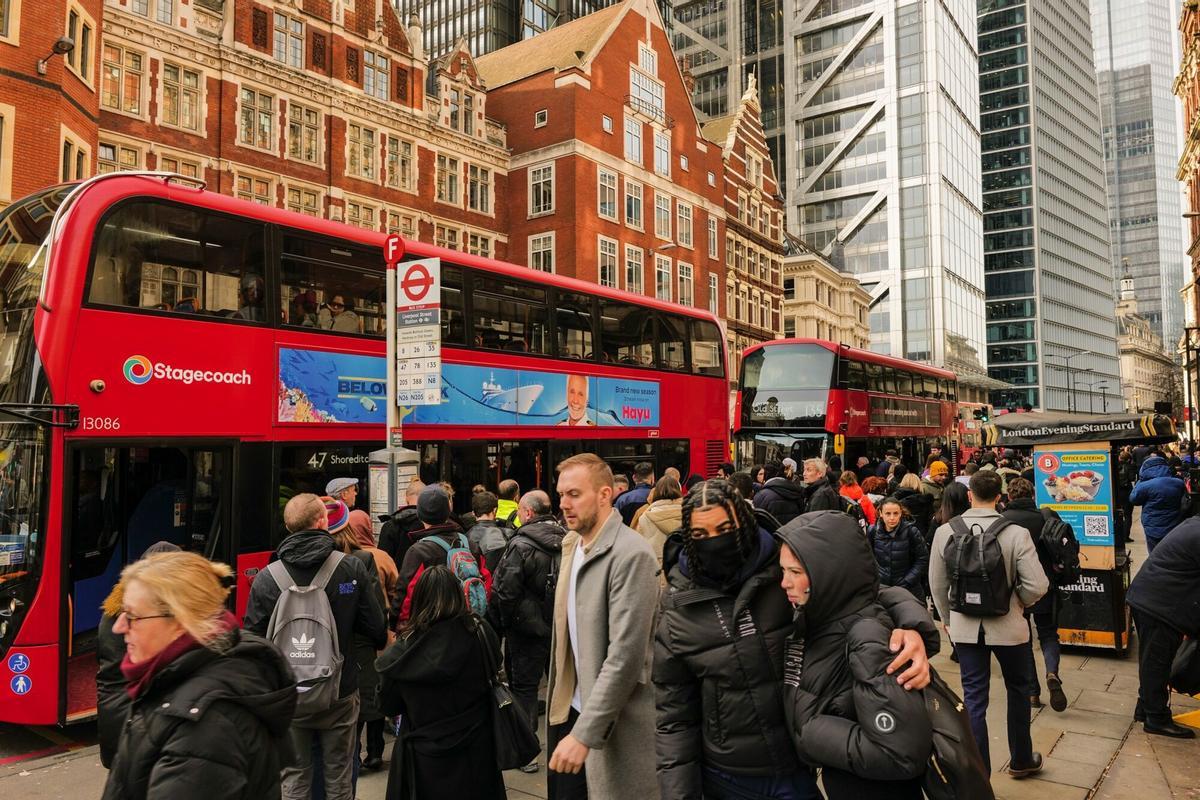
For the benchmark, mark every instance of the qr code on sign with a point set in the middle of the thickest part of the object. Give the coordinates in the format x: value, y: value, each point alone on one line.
x: 1095, y: 527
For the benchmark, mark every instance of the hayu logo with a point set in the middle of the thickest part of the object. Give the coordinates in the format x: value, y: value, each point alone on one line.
x: 139, y: 370
x: 635, y: 414
x: 304, y: 646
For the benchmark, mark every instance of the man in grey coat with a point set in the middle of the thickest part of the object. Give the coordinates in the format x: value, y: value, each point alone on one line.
x: 1006, y: 637
x: 601, y: 703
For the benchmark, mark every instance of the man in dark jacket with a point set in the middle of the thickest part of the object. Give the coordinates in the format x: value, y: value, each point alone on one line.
x: 433, y: 509
x: 779, y: 496
x: 719, y: 654
x: 524, y: 593
x: 1022, y: 510
x: 355, y: 600
x: 819, y: 493
x: 397, y: 533
x: 890, y: 460
x: 1165, y: 599
x: 487, y: 536
x: 1159, y: 493
x: 629, y: 502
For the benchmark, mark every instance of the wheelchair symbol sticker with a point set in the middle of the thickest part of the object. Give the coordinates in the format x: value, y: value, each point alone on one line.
x: 20, y: 684
x: 18, y: 662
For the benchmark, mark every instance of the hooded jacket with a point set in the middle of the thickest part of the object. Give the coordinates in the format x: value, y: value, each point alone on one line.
x: 395, y: 537
x: 354, y: 597
x: 1167, y: 587
x: 901, y: 557
x: 1159, y: 493
x: 919, y: 506
x: 718, y: 667
x: 489, y: 537
x: 520, y: 582
x: 210, y: 726
x: 934, y: 491
x: 843, y: 710
x: 782, y: 498
x: 658, y: 521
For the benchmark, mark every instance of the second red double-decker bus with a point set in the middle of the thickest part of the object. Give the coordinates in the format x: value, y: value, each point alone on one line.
x: 175, y: 364
x: 798, y: 396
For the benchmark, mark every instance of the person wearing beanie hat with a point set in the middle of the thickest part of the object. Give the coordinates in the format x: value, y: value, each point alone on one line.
x: 935, y: 485
x: 433, y: 510
x: 339, y: 514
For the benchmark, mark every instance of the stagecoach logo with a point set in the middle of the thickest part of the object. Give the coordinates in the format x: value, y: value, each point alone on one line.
x: 304, y: 646
x: 139, y: 370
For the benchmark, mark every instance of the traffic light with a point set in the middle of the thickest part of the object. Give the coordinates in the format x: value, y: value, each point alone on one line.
x: 981, y: 414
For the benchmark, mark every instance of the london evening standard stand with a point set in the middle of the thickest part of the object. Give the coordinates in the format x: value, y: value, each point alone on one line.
x: 1074, y: 457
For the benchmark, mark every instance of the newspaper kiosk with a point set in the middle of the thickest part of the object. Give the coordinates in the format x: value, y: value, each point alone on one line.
x: 1073, y: 459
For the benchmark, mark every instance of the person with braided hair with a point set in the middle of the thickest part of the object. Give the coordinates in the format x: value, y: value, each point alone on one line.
x: 721, y: 731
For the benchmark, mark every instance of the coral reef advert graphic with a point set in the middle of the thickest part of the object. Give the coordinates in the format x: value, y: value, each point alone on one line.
x: 317, y: 386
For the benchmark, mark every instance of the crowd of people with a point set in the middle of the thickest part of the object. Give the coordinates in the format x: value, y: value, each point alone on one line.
x: 760, y: 634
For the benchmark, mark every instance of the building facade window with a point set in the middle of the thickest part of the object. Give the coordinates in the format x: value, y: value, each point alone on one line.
x: 662, y: 277
x: 541, y: 252
x: 402, y: 224
x: 714, y: 297
x: 400, y: 164
x: 662, y: 153
x: 687, y: 291
x: 121, y: 86
x: 633, y: 140
x: 304, y: 201
x: 180, y: 166
x: 479, y: 245
x: 116, y: 158
x: 646, y: 94
x: 789, y: 327
x: 363, y: 154
x: 362, y: 215
x: 606, y: 123
x: 80, y: 29
x: 448, y: 189
x: 375, y: 75
x: 633, y: 204
x: 607, y: 199
x: 257, y: 119
x: 683, y: 213
x: 289, y: 41
x: 662, y: 216
x: 6, y: 18
x: 712, y: 237
x: 635, y: 266
x: 181, y: 97
x: 256, y: 190
x: 607, y: 264
x: 468, y: 113
x: 304, y: 133
x: 76, y: 158
x: 479, y: 189
x: 540, y: 118
x: 541, y: 190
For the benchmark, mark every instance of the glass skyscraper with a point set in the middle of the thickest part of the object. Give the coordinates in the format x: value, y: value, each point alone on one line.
x: 883, y: 102
x: 1051, y: 327
x: 489, y: 25
x: 1134, y: 44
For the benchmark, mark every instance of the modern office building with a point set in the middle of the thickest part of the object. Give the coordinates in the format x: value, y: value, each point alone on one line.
x: 1134, y: 45
x: 1051, y: 328
x: 723, y: 43
x: 887, y: 181
x: 488, y: 25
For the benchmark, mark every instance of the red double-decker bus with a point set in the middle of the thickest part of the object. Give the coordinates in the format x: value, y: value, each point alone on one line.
x: 796, y: 398
x: 176, y: 364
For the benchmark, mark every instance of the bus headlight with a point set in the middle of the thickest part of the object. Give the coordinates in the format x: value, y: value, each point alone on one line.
x: 3, y: 629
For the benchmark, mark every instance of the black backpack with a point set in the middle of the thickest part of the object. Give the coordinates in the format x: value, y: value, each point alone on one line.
x: 979, y: 584
x: 955, y: 770
x: 1061, y: 548
x: 855, y: 512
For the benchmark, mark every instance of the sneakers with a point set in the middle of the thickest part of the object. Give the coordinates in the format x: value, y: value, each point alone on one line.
x: 1024, y: 772
x: 530, y: 768
x: 1058, y: 698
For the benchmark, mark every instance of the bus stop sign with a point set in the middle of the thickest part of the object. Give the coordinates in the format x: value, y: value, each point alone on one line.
x: 417, y: 333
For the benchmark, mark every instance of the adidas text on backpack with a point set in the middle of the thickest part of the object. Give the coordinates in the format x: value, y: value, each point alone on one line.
x: 303, y: 629
x: 979, y: 584
x: 462, y: 563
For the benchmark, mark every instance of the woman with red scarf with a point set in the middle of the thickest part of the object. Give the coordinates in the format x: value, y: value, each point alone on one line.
x: 211, y: 704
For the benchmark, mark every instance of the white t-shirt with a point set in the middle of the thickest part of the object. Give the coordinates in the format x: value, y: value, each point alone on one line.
x: 572, y: 631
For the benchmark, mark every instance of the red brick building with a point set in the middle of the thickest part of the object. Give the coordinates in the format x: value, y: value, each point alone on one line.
x: 611, y: 179
x: 1187, y: 89
x: 48, y: 103
x: 754, y: 228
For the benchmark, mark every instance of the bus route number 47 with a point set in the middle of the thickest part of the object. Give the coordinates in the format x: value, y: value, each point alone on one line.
x: 100, y: 423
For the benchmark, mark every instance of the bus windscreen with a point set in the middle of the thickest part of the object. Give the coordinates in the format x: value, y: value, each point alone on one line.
x: 786, y: 386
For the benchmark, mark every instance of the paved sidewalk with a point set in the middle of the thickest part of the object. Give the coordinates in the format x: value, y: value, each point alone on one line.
x: 1092, y: 751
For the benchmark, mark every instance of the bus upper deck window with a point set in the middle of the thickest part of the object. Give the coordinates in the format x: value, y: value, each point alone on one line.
x: 707, y: 346
x: 626, y: 334
x: 510, y: 315
x: 575, y: 326
x: 332, y: 285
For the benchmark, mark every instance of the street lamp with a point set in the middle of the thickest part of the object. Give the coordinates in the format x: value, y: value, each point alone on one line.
x: 1070, y: 375
x: 62, y: 46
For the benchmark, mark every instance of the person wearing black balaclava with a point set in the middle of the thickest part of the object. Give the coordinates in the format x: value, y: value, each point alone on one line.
x: 719, y: 652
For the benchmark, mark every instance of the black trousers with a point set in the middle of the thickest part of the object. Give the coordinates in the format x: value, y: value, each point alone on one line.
x: 1157, y: 645
x: 528, y: 660
x: 562, y: 785
x: 374, y: 737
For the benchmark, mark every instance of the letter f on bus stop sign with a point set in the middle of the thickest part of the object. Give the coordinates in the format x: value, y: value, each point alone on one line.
x: 393, y: 250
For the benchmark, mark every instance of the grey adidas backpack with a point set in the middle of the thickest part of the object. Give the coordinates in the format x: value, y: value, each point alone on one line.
x: 303, y: 629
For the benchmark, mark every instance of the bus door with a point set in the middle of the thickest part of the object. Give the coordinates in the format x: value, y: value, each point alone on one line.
x: 120, y: 501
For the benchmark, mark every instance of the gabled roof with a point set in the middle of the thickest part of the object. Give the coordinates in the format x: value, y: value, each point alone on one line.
x: 553, y: 50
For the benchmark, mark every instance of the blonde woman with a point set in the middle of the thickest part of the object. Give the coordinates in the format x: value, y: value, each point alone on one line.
x: 211, y: 704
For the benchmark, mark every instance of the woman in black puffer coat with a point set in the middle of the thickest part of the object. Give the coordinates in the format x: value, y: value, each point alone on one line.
x: 211, y: 704
x: 901, y: 557
x: 871, y: 736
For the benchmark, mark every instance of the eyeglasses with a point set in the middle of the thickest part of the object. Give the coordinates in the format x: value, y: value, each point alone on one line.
x: 132, y: 618
x: 337, y: 305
